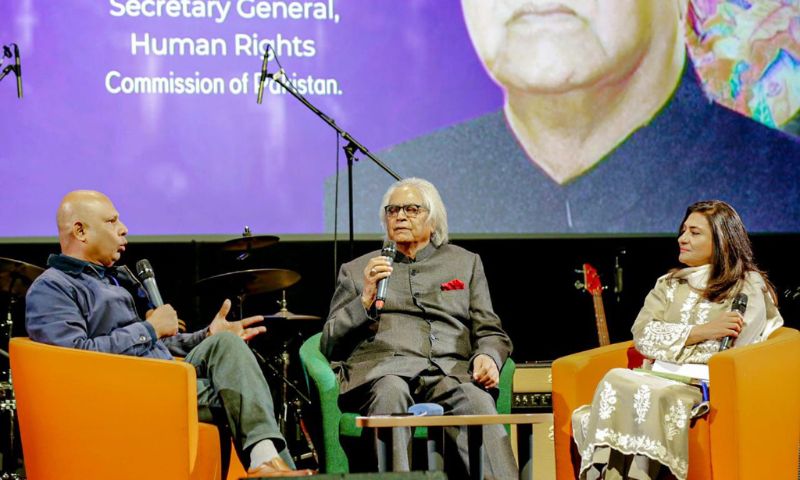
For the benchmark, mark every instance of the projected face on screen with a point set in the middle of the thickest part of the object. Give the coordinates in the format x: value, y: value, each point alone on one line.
x: 597, y: 70
x: 558, y: 46
x: 604, y: 126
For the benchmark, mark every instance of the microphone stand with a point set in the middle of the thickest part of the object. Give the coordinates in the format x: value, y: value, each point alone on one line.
x: 353, y: 146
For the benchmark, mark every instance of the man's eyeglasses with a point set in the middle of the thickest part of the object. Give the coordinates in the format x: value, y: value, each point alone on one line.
x: 412, y: 210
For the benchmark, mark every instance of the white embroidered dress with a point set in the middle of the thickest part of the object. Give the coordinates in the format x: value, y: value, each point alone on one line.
x: 638, y: 413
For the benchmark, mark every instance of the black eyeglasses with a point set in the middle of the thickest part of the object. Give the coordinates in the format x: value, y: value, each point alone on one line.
x: 411, y: 209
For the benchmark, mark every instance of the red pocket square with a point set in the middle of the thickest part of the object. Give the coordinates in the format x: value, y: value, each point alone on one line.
x: 454, y: 284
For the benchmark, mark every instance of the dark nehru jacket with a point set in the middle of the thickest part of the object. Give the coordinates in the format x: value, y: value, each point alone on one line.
x: 692, y: 150
x: 423, y: 324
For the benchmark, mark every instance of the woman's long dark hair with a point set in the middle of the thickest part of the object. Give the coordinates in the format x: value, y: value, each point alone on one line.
x: 732, y: 255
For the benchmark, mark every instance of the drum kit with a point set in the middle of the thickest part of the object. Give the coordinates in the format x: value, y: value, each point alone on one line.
x: 16, y: 276
x: 243, y: 284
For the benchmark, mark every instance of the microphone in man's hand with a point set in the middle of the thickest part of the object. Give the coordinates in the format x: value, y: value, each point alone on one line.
x: 389, y: 250
x: 739, y: 305
x: 18, y: 70
x: 263, y: 75
x: 145, y: 273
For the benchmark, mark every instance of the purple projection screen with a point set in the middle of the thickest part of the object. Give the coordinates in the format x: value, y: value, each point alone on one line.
x: 204, y: 158
x: 153, y: 102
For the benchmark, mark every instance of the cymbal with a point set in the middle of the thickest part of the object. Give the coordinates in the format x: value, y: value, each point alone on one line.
x: 250, y: 242
x: 250, y: 282
x: 17, y: 276
x: 287, y: 315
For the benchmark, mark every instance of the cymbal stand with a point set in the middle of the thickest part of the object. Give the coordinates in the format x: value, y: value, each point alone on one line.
x: 239, y: 307
x: 280, y: 374
x: 8, y: 323
x: 284, y: 386
x: 246, y: 253
x: 301, y: 422
x: 8, y: 402
x: 298, y: 402
x: 283, y: 303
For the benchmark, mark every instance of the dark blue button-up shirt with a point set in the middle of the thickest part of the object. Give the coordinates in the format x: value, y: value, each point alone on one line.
x: 81, y: 305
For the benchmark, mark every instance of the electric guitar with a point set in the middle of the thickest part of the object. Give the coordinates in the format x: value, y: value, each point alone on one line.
x: 591, y: 284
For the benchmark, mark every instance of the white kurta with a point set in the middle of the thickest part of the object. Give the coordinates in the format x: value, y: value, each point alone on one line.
x: 637, y: 413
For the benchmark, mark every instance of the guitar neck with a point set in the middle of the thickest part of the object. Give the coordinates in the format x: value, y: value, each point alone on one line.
x: 600, y: 318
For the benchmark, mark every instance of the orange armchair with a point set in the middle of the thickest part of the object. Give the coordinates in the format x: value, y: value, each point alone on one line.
x: 95, y: 415
x: 752, y: 430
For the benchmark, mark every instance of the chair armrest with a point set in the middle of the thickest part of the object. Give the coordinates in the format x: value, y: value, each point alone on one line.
x: 326, y: 386
x: 575, y: 378
x: 506, y: 386
x: 755, y: 413
x: 319, y: 369
x: 73, y: 404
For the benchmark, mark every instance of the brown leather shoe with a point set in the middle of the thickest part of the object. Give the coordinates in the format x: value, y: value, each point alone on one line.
x: 276, y: 468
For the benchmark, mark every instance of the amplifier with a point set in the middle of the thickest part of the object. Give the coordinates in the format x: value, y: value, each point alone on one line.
x: 533, y: 386
x: 532, y: 393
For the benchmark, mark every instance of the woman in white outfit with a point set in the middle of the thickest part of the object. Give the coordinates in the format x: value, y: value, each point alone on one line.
x: 637, y: 425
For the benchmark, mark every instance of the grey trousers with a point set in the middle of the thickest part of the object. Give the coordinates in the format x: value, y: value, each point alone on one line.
x: 393, y: 394
x: 233, y: 394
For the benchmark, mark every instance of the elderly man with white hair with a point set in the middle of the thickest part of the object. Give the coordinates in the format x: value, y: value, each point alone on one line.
x: 436, y: 339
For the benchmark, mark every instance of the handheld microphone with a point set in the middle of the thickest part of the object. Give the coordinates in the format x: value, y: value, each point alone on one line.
x: 739, y: 305
x: 148, y: 278
x: 18, y: 70
x: 263, y: 75
x: 388, y: 251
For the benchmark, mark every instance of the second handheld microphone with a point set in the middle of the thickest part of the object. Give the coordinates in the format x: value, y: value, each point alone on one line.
x: 145, y: 273
x: 739, y: 305
x: 263, y: 75
x: 389, y: 250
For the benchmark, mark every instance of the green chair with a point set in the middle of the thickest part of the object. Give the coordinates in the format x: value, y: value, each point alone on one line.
x: 324, y: 388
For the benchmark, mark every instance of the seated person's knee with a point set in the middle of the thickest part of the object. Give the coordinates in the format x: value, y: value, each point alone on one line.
x: 226, y: 340
x: 390, y: 394
x: 481, y: 402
